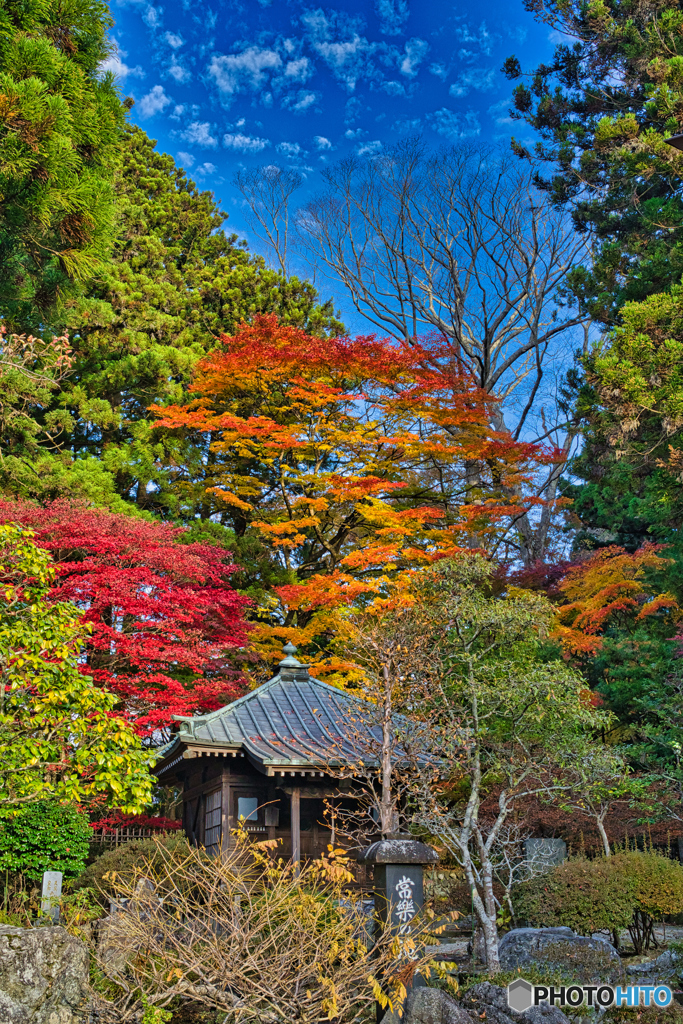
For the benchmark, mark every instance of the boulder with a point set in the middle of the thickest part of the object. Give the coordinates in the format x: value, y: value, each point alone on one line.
x: 481, y: 1002
x: 492, y: 999
x: 43, y: 976
x: 560, y: 951
x: 666, y: 968
x: 429, y: 1006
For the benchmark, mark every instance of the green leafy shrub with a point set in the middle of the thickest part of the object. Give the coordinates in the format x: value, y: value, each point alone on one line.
x: 44, y: 836
x: 586, y: 895
x: 631, y: 889
x: 657, y: 881
x: 110, y: 868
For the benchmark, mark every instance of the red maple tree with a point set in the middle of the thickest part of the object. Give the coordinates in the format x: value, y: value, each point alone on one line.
x: 165, y: 622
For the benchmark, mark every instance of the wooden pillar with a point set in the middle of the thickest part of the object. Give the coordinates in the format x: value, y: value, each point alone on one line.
x: 226, y: 838
x: 296, y: 828
x: 185, y: 817
x: 272, y: 811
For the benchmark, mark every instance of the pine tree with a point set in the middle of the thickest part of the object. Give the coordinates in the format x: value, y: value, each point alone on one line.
x: 604, y: 108
x: 175, y: 281
x: 60, y: 129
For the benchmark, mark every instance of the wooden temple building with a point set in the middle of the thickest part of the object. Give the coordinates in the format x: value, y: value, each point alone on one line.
x: 270, y: 758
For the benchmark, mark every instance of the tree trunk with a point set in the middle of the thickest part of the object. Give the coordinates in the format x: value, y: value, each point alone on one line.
x: 387, y: 815
x: 603, y: 836
x: 490, y: 929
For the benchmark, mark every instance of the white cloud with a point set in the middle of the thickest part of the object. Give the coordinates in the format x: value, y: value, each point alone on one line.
x: 116, y: 64
x: 152, y: 16
x: 178, y: 72
x: 500, y: 112
x: 321, y: 142
x: 299, y: 70
x: 199, y: 133
x: 352, y: 110
x: 174, y: 41
x: 415, y: 52
x: 354, y: 133
x: 481, y: 38
x: 393, y: 88
x: 439, y: 70
x: 290, y: 149
x: 476, y: 78
x: 405, y: 126
x: 206, y: 169
x: 555, y: 36
x: 247, y: 71
x: 300, y: 102
x: 154, y: 102
x: 186, y: 159
x: 337, y: 40
x: 392, y: 14
x: 245, y: 143
x: 369, y: 148
x: 454, y: 126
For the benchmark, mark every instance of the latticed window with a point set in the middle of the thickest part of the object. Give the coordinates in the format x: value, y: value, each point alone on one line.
x: 212, y: 822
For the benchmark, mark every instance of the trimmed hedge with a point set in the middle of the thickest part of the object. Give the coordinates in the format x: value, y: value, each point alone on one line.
x: 123, y: 862
x: 596, y: 895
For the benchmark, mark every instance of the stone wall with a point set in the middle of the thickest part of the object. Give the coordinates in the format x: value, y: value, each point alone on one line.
x: 43, y: 976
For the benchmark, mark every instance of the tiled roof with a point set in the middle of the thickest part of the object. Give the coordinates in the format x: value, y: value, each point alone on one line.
x: 292, y: 720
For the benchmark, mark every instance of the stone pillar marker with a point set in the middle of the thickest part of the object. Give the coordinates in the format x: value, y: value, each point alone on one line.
x: 398, y: 863
x: 52, y: 890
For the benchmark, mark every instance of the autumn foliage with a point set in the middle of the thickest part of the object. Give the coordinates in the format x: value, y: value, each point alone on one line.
x: 608, y: 584
x: 164, y: 619
x: 356, y: 460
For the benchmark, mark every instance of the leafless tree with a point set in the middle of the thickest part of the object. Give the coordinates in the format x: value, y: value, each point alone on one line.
x: 459, y: 242
x: 385, y: 739
x: 266, y: 192
x: 245, y: 935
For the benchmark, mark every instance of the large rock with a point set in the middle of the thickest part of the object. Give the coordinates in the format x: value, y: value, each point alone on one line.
x: 493, y: 1001
x: 561, y: 952
x: 666, y: 968
x: 429, y: 1006
x: 43, y: 976
x: 481, y: 1002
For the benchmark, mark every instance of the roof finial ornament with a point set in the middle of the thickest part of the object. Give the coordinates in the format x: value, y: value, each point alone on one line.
x: 289, y: 661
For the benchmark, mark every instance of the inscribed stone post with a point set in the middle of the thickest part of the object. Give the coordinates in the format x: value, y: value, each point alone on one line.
x: 398, y: 885
x: 52, y: 890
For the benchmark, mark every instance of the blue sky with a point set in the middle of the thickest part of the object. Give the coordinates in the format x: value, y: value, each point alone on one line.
x: 224, y: 85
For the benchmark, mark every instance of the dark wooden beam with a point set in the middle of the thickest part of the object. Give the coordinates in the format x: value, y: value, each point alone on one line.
x: 202, y: 787
x: 225, y: 809
x: 310, y: 792
x: 296, y: 828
